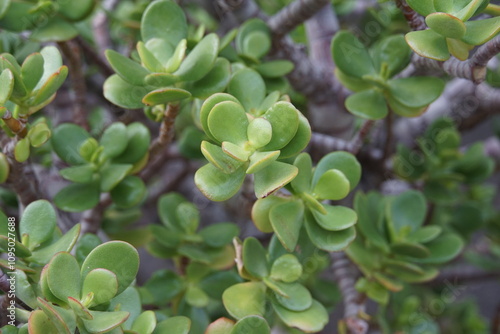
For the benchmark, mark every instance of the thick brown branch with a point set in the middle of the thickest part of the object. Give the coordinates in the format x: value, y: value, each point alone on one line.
x: 17, y: 126
x: 353, y: 301
x: 166, y: 131
x: 95, y: 58
x: 415, y: 20
x: 294, y: 14
x: 91, y: 219
x: 72, y: 53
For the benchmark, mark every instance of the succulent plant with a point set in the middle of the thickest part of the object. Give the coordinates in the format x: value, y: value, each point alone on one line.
x: 369, y: 73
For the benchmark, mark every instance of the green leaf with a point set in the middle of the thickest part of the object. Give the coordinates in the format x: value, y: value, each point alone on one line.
x: 174, y: 325
x: 138, y: 144
x: 112, y: 175
x: 216, y: 185
x: 275, y: 68
x: 369, y: 104
x: 63, y: 319
x: 296, y: 298
x: 177, y: 57
x: 255, y: 258
x: 392, y: 52
x: 50, y: 86
x: 273, y: 177
x: 76, y: 11
x: 38, y: 222
x: 350, y: 55
x: 32, y: 70
x: 416, y: 92
x: 423, y: 7
x: 4, y: 5
x: 161, y: 79
x: 260, y: 212
x: 214, y: 82
x: 244, y: 299
x: 446, y: 25
x: 129, y: 192
x: 123, y: 94
x: 145, y: 323
x: 248, y: 87
x: 406, y: 248
x: 228, y: 121
x: 118, y: 257
x: 79, y: 310
x: 103, y: 322
x: 259, y: 132
x: 425, y: 234
x: 39, y: 323
x: 342, y: 161
x: 164, y: 19
x: 67, y: 285
x: 39, y: 134
x: 218, y: 235
x: 286, y: 268
x: 55, y: 30
x: 332, y: 185
x: 300, y: 141
x: 260, y: 160
x: 200, y: 60
x: 330, y: 241
x: 251, y: 325
x: 337, y: 218
x: 114, y: 140
x: 443, y: 249
x: 78, y: 197
x: 6, y: 85
x: 165, y: 95
x: 480, y: 31
x: 207, y: 107
x: 406, y: 213
x: 370, y: 211
x: 302, y: 182
x: 403, y: 110
x: 429, y: 44
x: 220, y: 326
x: 126, y: 68
x: 102, y: 283
x: 189, y: 217
x: 286, y: 220
x: 22, y: 150
x: 284, y: 119
x: 196, y: 297
x: 311, y: 320
x: 66, y: 141
x: 148, y: 59
x: 64, y: 244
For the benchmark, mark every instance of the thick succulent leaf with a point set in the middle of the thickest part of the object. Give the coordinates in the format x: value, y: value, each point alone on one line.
x: 405, y: 111
x: 459, y: 49
x: 428, y: 275
x: 311, y: 320
x: 174, y: 325
x: 446, y: 25
x: 411, y: 249
x: 369, y: 104
x: 165, y: 95
x: 51, y: 85
x: 123, y: 94
x: 284, y: 119
x: 237, y: 152
x: 214, y: 82
x: 138, y: 139
x: 337, y: 217
x: 128, y: 69
x: 248, y: 87
x: 217, y: 185
x: 416, y: 92
x: 200, y: 60
x: 302, y: 182
x: 76, y: 11
x: 216, y: 156
x: 480, y: 31
x: 64, y: 244
x: 426, y: 234
x: 342, y: 161
x: 148, y: 59
x: 286, y: 220
x: 330, y: 241
x: 388, y: 283
x: 103, y: 322
x: 161, y: 79
x: 443, y: 249
x: 63, y: 319
x: 423, y: 7
x: 249, y: 46
x: 255, y: 258
x: 6, y: 85
x: 260, y: 160
x: 218, y: 235
x: 118, y: 257
x: 7, y: 61
x: 259, y: 132
x: 113, y: 174
x: 429, y: 44
x: 228, y: 121
x: 66, y: 141
x: 78, y: 197
x: 286, y: 268
x: 164, y: 19
x: 102, y: 283
x: 332, y: 185
x: 145, y: 323
x: 260, y: 212
x: 393, y: 52
x: 114, y: 140
x: 55, y: 30
x: 406, y: 213
x: 252, y: 324
x: 351, y: 56
x: 67, y: 285
x: 244, y: 299
x: 296, y: 297
x: 129, y: 192
x: 207, y: 107
x: 38, y: 222
x: 273, y: 177
x: 31, y: 71
x: 275, y: 68
x: 395, y: 266
x: 4, y: 5
x: 300, y: 141
x: 39, y: 323
x: 468, y: 11
x: 370, y: 210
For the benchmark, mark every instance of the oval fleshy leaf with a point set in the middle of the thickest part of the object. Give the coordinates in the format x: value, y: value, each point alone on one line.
x: 429, y: 44
x: 244, y: 299
x: 337, y: 218
x: 38, y: 222
x: 286, y: 220
x: 102, y: 283
x: 228, y: 121
x: 273, y: 177
x: 369, y: 104
x: 351, y: 56
x: 446, y: 25
x: 217, y: 185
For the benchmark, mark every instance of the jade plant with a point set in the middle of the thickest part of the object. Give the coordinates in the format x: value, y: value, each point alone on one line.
x: 24, y: 90
x: 369, y: 73
x: 451, y: 30
x: 104, y: 166
x: 48, y: 20
x: 330, y: 227
x: 394, y: 246
x: 276, y: 283
x: 250, y: 132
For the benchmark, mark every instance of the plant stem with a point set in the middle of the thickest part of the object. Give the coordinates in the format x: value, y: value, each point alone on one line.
x: 415, y: 20
x: 91, y: 219
x: 166, y: 131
